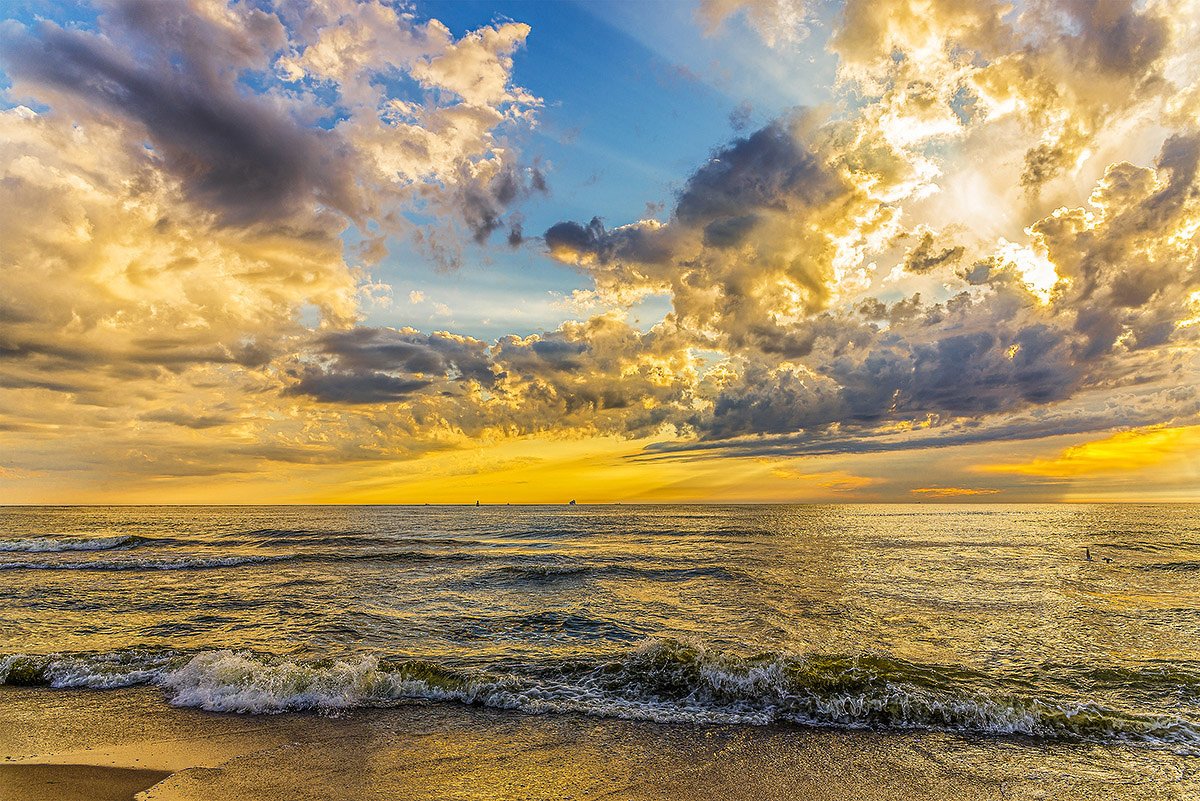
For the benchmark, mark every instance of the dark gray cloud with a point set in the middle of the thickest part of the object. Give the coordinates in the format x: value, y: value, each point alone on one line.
x: 739, y: 118
x: 830, y: 442
x: 181, y: 417
x: 640, y: 243
x: 516, y: 234
x: 240, y: 156
x: 754, y: 235
x: 76, y: 366
x: 964, y: 361
x: 573, y: 236
x: 484, y: 202
x: 770, y: 169
x: 1120, y: 39
x: 188, y: 83
x: 590, y: 376
x: 355, y: 388
x: 728, y: 232
x: 375, y: 365
x: 924, y: 256
x: 365, y: 348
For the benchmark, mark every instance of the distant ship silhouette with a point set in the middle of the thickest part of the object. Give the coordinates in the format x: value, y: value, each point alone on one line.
x: 572, y: 503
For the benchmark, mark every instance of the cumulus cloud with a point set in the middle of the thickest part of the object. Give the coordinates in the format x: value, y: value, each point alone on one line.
x: 1069, y: 73
x: 992, y: 361
x: 924, y: 256
x: 598, y: 377
x: 771, y: 240
x: 177, y: 180
x: 766, y: 232
x: 372, y: 365
x: 176, y: 75
x: 178, y: 186
x: 997, y: 346
x: 243, y: 159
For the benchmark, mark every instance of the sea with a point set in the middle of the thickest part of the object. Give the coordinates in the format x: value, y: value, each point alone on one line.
x: 1065, y: 623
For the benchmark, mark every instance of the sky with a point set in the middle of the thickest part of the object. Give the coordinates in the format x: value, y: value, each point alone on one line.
x: 529, y: 252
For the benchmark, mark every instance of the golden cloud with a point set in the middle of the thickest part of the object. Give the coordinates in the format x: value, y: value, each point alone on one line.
x: 1127, y: 451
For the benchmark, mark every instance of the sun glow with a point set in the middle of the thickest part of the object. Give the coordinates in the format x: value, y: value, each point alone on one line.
x: 1125, y: 451
x: 1037, y: 272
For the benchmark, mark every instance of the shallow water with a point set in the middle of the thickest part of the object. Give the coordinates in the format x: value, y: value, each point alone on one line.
x: 979, y: 619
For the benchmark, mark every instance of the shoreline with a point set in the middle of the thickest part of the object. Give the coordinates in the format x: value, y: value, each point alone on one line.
x: 114, y: 743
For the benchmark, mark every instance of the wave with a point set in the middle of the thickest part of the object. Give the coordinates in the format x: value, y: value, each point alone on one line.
x: 518, y: 573
x: 212, y: 563
x: 561, y: 572
x: 100, y: 671
x: 537, y: 573
x: 51, y: 545
x: 282, y: 532
x: 183, y: 563
x: 662, y: 680
x: 1186, y: 566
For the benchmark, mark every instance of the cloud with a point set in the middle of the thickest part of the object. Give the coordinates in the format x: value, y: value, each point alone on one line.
x: 999, y: 345
x: 764, y: 232
x: 181, y: 183
x: 356, y: 389
x: 176, y: 204
x: 180, y: 75
x: 952, y: 492
x: 246, y: 160
x: 1127, y: 267
x: 181, y: 417
x: 372, y: 365
x: 171, y: 186
x: 778, y: 22
x: 915, y: 437
x: 924, y: 256
x: 596, y: 377
x: 1126, y: 450
x: 834, y: 481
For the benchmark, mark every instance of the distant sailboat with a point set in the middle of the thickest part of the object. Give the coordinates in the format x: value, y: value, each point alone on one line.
x: 572, y: 503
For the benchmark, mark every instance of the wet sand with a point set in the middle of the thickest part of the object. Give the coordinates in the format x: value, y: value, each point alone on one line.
x: 110, y: 744
x: 70, y: 782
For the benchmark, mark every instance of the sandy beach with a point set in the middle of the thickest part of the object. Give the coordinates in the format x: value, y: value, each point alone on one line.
x: 112, y: 744
x: 64, y: 782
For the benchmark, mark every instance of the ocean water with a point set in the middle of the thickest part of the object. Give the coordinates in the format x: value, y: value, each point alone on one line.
x: 983, y: 620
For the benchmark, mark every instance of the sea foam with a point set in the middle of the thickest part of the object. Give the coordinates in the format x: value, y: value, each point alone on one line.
x: 52, y: 545
x: 662, y: 680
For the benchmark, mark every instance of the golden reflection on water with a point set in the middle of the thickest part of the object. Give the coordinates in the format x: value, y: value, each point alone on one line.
x: 715, y: 611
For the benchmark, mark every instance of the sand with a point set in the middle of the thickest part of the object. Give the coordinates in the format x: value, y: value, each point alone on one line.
x: 112, y: 744
x: 74, y: 782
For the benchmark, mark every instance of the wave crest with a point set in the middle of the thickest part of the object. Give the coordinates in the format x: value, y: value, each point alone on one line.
x: 52, y: 545
x: 662, y: 680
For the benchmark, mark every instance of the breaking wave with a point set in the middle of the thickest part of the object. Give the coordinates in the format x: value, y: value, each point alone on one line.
x: 662, y: 680
x: 51, y: 545
x: 163, y: 563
